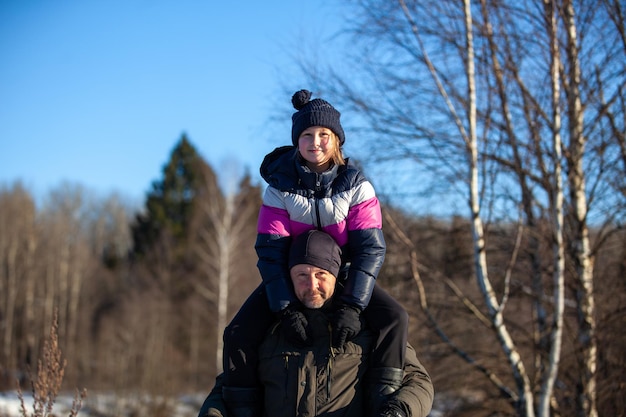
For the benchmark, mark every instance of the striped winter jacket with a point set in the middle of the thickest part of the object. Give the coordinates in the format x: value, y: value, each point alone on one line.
x: 340, y: 202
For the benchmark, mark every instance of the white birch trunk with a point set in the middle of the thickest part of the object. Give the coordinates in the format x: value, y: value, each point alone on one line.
x: 216, y: 252
x: 63, y: 280
x: 30, y: 283
x: 525, y: 405
x: 557, y: 223
x: 224, y: 244
x: 10, y: 295
x: 582, y: 254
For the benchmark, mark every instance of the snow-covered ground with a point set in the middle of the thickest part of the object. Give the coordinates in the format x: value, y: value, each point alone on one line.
x: 105, y: 405
x: 108, y: 405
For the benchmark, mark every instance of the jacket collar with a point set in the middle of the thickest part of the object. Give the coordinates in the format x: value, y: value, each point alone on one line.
x: 314, y: 180
x: 284, y: 168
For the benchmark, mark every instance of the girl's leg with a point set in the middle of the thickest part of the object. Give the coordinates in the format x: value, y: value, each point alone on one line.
x: 242, y: 338
x: 389, y: 322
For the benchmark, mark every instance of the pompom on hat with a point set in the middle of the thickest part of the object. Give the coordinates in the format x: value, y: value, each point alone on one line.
x: 316, y: 112
x: 316, y: 248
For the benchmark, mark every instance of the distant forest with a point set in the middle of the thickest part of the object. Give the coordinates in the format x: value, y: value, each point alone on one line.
x: 143, y: 297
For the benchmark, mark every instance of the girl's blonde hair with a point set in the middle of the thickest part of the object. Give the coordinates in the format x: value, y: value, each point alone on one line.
x: 337, y: 156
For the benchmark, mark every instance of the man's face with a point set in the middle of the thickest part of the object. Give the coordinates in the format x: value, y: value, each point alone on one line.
x: 313, y: 286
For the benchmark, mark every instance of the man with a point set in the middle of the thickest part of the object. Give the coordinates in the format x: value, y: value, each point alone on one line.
x: 314, y: 379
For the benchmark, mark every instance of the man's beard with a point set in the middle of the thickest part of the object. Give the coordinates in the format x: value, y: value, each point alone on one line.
x: 314, y: 299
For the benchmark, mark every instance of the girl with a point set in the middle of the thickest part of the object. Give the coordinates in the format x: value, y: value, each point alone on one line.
x: 312, y: 186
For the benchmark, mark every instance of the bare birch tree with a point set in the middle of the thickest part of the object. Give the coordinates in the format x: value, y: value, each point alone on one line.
x: 439, y: 90
x: 556, y: 210
x: 17, y: 247
x: 578, y: 200
x: 224, y: 224
x: 68, y: 252
x: 494, y: 306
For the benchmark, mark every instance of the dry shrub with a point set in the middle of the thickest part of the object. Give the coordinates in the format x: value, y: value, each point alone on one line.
x: 45, y: 387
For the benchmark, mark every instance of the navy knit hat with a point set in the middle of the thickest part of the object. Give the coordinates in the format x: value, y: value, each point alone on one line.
x: 316, y: 248
x: 316, y: 112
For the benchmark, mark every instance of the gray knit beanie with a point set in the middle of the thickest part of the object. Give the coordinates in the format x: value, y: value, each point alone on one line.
x: 316, y: 112
x: 316, y: 248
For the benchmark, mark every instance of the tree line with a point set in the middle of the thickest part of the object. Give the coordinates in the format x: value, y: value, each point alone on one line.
x: 143, y: 297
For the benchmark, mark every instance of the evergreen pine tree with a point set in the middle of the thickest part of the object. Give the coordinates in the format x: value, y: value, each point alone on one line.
x: 170, y: 202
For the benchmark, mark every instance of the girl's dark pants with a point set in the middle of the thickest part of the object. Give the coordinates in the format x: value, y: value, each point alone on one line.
x: 243, y: 336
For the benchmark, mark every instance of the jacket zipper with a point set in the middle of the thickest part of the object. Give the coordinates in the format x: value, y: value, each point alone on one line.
x: 285, y: 390
x: 317, y: 201
x: 328, y: 376
x: 329, y: 366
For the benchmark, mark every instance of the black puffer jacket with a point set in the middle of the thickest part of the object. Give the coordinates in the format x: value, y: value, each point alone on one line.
x: 323, y: 382
x: 339, y: 201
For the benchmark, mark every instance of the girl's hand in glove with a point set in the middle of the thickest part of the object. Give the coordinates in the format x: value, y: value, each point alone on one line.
x: 346, y: 324
x: 295, y: 326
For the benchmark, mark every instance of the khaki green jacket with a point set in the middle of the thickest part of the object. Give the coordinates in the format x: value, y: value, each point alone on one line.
x: 321, y: 381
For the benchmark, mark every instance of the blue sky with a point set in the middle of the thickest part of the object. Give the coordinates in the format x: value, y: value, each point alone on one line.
x: 98, y: 92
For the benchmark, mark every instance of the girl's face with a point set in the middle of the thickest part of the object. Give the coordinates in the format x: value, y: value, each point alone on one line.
x: 317, y: 146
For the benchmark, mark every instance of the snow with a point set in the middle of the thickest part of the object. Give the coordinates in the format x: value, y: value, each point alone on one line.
x: 102, y: 405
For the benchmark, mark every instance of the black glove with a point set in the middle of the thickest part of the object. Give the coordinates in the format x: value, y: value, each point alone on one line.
x: 295, y: 325
x: 392, y: 408
x: 346, y: 324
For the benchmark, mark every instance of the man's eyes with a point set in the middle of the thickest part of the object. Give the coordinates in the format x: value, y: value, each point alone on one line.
x: 322, y: 276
